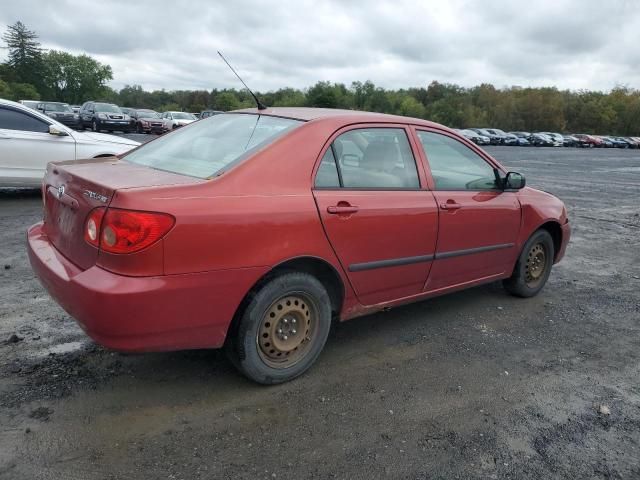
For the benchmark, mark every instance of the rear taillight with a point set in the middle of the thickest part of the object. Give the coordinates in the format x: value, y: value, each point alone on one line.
x: 92, y: 226
x: 115, y: 230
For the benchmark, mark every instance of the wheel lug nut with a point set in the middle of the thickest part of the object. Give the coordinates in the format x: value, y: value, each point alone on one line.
x: 279, y: 330
x: 293, y: 332
x: 285, y: 337
x: 293, y: 320
x: 286, y: 320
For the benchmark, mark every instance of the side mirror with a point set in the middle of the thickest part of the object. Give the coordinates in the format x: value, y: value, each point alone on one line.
x: 514, y: 181
x: 58, y: 133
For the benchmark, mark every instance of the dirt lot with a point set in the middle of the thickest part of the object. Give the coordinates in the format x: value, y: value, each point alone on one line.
x: 473, y: 385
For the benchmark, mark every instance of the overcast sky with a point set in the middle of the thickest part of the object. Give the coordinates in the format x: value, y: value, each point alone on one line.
x: 172, y: 44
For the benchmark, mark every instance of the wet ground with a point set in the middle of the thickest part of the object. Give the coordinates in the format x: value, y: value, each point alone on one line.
x: 476, y: 384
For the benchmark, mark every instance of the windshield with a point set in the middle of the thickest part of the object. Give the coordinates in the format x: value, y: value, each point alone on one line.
x: 57, y: 107
x: 147, y: 114
x: 183, y: 116
x: 206, y: 148
x: 105, y: 107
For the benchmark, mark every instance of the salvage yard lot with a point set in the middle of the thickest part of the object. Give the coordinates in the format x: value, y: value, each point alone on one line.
x: 476, y: 384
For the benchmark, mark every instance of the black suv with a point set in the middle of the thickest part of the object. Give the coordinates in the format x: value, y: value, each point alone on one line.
x: 104, y: 116
x: 61, y: 112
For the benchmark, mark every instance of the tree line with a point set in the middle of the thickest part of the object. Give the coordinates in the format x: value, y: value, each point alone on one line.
x: 32, y: 73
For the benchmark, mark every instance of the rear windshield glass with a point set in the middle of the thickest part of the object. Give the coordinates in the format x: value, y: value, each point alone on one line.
x: 206, y: 148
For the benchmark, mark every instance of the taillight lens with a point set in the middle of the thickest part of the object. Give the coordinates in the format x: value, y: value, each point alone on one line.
x: 92, y: 226
x: 115, y: 230
x: 128, y: 231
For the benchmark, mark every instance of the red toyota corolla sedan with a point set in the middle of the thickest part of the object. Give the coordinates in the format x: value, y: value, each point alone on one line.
x: 254, y: 229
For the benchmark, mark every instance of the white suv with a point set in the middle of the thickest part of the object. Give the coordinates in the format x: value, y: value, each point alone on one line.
x: 29, y: 140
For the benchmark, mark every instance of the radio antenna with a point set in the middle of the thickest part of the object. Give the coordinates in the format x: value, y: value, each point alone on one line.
x: 261, y: 106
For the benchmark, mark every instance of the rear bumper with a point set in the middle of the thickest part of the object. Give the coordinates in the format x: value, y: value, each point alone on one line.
x: 135, y: 314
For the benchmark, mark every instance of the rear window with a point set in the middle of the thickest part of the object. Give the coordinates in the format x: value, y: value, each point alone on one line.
x: 206, y: 148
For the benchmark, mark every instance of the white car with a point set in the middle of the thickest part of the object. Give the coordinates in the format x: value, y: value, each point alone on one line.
x: 173, y: 120
x: 29, y: 140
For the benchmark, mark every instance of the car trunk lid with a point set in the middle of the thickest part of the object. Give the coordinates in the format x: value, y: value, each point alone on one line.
x: 72, y: 189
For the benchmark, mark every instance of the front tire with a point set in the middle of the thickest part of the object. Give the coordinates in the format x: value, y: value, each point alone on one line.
x: 282, y: 329
x: 533, y: 267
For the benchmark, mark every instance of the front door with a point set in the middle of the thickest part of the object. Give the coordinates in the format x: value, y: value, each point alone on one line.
x: 478, y: 221
x: 381, y: 223
x: 26, y: 146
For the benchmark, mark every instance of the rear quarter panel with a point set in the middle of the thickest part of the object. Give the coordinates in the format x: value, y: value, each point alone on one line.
x: 259, y: 214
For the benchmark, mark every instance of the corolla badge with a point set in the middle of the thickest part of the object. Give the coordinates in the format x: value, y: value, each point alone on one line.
x: 60, y: 191
x: 95, y: 196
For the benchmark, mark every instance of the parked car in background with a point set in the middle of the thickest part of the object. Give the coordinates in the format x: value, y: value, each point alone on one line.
x: 516, y: 140
x: 556, y: 138
x: 616, y: 142
x: 128, y: 111
x: 493, y: 138
x: 521, y: 134
x: 571, y: 141
x: 61, y: 112
x: 33, y: 104
x: 606, y: 143
x: 540, y: 140
x: 173, y: 120
x: 501, y: 134
x: 198, y: 240
x: 30, y: 139
x: 589, y: 140
x: 210, y: 113
x: 474, y: 137
x: 147, y: 121
x: 101, y: 116
x: 628, y: 142
x: 635, y: 140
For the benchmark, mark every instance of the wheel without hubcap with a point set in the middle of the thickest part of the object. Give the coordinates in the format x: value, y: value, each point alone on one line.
x: 533, y: 266
x: 282, y: 329
x: 536, y: 265
x: 287, y: 330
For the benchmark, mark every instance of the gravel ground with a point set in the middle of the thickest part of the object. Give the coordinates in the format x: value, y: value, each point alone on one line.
x: 476, y: 384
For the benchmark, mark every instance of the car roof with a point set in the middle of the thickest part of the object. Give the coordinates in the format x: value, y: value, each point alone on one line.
x: 345, y: 116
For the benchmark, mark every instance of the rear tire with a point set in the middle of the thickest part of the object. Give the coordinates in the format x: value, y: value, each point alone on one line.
x: 282, y: 329
x: 533, y: 267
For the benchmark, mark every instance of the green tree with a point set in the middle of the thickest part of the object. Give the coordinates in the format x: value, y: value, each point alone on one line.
x: 226, y: 101
x: 75, y: 79
x: 25, y: 54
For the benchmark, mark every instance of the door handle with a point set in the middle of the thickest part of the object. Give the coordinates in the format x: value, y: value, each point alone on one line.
x: 450, y: 205
x: 342, y: 209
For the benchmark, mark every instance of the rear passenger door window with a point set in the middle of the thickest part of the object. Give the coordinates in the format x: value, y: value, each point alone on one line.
x: 369, y: 159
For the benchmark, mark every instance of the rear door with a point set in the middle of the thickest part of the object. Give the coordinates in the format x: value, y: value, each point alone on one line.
x: 478, y: 221
x: 379, y: 219
x: 26, y: 146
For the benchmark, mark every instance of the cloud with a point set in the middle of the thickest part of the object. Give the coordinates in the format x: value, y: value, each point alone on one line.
x: 172, y: 45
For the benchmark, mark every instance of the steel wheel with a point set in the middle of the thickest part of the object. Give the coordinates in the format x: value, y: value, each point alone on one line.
x: 287, y: 330
x: 536, y: 265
